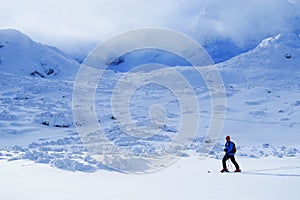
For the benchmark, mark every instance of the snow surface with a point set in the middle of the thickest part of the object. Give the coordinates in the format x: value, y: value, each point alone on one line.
x: 187, y: 179
x: 42, y: 154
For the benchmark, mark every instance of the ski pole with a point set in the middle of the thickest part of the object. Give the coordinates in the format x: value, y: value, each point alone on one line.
x: 230, y: 165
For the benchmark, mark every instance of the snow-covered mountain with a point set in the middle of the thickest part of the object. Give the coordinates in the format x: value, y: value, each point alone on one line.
x: 219, y: 50
x: 274, y: 62
x: 282, y: 47
x: 262, y: 87
x: 279, y: 52
x: 263, y: 111
x: 22, y: 56
x: 222, y: 49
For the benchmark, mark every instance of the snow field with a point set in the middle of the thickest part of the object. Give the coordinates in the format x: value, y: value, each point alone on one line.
x: 266, y: 178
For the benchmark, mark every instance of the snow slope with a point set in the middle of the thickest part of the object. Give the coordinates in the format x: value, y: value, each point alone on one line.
x: 21, y: 55
x: 263, y: 87
x: 41, y: 149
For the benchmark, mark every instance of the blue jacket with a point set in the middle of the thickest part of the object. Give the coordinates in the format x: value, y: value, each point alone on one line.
x: 228, y: 148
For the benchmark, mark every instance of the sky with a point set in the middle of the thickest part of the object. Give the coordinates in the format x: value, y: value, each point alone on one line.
x: 70, y: 25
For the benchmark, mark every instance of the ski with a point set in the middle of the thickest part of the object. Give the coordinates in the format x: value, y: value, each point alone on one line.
x: 217, y: 172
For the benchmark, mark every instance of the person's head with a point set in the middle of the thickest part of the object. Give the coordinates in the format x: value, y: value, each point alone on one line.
x: 227, y: 138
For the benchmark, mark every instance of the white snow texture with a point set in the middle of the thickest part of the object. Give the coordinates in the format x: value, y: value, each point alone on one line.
x: 263, y: 112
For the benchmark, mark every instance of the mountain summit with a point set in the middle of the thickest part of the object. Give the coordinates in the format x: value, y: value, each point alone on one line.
x: 20, y: 55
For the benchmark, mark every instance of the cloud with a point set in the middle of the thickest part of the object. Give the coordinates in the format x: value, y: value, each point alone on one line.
x: 67, y: 22
x: 242, y: 20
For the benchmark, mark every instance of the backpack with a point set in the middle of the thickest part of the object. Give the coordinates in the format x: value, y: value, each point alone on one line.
x: 233, y: 148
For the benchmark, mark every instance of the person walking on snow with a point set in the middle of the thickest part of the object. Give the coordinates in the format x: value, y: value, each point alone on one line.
x: 230, y: 151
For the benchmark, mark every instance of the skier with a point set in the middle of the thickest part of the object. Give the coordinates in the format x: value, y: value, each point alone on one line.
x: 230, y: 151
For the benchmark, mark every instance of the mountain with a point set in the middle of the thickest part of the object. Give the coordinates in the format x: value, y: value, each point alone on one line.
x: 20, y: 55
x: 282, y: 47
x: 263, y: 90
x: 39, y: 141
x: 274, y: 61
x: 222, y: 49
x: 262, y: 95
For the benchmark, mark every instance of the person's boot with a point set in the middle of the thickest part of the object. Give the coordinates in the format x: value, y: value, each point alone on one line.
x: 224, y: 170
x: 237, y: 170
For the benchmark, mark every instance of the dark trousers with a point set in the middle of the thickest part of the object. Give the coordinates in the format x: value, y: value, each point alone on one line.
x: 231, y: 157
